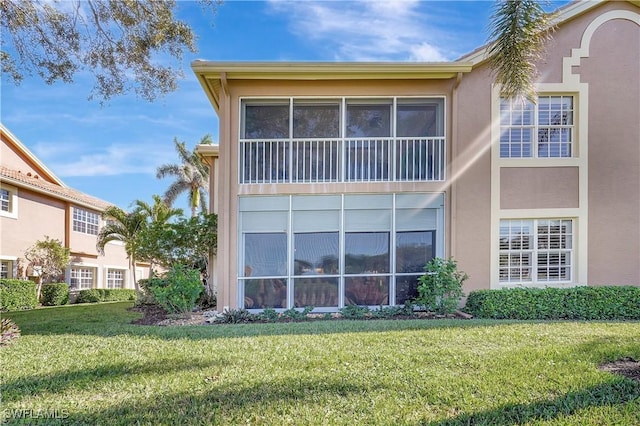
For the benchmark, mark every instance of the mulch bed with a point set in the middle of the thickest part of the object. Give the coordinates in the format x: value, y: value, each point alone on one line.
x: 151, y: 314
x: 627, y: 367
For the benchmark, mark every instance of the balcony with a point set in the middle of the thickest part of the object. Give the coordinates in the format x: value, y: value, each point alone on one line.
x: 342, y: 160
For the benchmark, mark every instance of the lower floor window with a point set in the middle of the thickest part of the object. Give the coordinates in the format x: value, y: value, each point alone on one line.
x: 333, y: 251
x: 5, y: 269
x: 115, y: 278
x: 536, y: 251
x: 81, y: 278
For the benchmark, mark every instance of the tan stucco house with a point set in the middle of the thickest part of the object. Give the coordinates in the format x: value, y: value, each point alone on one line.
x: 35, y: 203
x: 335, y: 183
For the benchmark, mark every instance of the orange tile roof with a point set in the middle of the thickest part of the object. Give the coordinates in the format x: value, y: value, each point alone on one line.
x: 33, y: 181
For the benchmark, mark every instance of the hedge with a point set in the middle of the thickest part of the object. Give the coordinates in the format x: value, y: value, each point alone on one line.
x: 578, y: 303
x: 16, y: 295
x: 95, y: 295
x: 55, y: 294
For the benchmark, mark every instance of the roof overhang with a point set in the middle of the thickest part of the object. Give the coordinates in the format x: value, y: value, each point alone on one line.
x: 213, y: 76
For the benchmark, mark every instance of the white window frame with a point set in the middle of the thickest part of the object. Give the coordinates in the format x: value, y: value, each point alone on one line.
x: 85, y: 221
x: 12, y: 202
x: 6, y: 268
x: 110, y: 279
x: 534, y: 250
x: 83, y: 270
x: 536, y: 127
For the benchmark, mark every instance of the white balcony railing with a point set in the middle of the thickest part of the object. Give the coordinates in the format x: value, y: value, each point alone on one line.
x: 342, y: 160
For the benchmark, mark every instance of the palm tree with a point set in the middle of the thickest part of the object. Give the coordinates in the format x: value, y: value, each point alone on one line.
x: 124, y: 227
x: 157, y: 216
x: 192, y: 176
x: 519, y: 32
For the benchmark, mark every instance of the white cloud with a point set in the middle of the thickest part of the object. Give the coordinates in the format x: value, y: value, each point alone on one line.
x: 395, y: 30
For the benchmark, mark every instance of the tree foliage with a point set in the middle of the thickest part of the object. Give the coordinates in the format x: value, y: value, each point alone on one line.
x: 519, y: 32
x: 125, y: 227
x: 48, y: 258
x: 123, y: 44
x: 191, y: 176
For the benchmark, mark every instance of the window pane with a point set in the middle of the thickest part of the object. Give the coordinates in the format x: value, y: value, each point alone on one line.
x: 265, y: 293
x: 414, y: 250
x: 368, y: 120
x: 372, y: 291
x: 265, y: 255
x: 266, y: 121
x: 5, y: 200
x: 366, y: 252
x: 418, y: 119
x: 316, y: 253
x: 316, y: 121
x: 316, y: 292
x: 406, y: 288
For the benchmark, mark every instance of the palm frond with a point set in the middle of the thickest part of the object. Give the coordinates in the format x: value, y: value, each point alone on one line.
x: 519, y: 32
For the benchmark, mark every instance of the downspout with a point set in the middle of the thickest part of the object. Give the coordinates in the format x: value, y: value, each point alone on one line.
x: 452, y: 172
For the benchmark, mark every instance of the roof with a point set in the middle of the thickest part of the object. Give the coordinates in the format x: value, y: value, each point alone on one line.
x: 214, y: 75
x: 44, y: 181
x: 37, y: 184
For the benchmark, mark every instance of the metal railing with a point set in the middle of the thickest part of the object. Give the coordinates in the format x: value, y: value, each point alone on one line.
x: 342, y: 160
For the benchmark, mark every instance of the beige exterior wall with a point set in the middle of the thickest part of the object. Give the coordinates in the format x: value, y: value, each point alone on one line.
x: 539, y: 187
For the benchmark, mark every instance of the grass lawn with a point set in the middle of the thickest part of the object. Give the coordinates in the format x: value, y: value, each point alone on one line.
x: 86, y: 364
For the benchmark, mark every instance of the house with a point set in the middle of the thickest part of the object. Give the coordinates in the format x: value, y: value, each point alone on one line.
x: 335, y: 183
x: 35, y: 203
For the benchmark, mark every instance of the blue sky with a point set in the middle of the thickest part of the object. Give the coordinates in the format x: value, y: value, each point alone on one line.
x: 112, y: 151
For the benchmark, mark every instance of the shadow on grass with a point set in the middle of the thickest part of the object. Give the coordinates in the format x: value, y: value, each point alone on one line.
x: 87, y: 377
x: 261, y: 403
x: 619, y: 391
x: 112, y: 319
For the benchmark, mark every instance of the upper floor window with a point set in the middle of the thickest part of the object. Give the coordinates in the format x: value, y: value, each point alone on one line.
x: 342, y: 140
x: 5, y: 200
x: 85, y: 221
x: 541, y: 130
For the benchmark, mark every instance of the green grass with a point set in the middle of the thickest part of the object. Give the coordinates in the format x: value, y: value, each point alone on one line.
x: 89, y: 365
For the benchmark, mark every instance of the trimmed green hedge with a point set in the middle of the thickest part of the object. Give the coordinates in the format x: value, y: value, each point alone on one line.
x: 95, y: 295
x: 54, y: 294
x: 16, y: 295
x: 578, y: 303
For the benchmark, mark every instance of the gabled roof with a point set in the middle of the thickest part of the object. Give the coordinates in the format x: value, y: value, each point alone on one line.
x: 44, y: 182
x: 28, y: 156
x: 564, y: 14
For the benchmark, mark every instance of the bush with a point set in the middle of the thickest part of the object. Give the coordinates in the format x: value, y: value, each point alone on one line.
x: 55, y: 294
x: 180, y: 289
x: 96, y: 295
x: 16, y: 295
x: 440, y: 289
x: 237, y: 316
x: 578, y: 303
x: 9, y: 332
x: 355, y: 312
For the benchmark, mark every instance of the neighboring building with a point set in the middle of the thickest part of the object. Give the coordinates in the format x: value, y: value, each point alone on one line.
x: 34, y: 203
x: 335, y: 183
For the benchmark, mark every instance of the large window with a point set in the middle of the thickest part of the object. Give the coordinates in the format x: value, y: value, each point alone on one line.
x: 115, y: 278
x: 85, y: 221
x: 541, y: 130
x: 536, y: 251
x: 345, y: 140
x: 329, y: 251
x: 81, y: 278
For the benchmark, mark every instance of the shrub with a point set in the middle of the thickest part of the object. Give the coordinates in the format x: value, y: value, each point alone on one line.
x: 440, y: 289
x: 9, y: 332
x: 236, y: 316
x: 206, y: 301
x: 55, y: 294
x: 578, y: 303
x: 354, y: 312
x: 296, y: 315
x: 178, y: 292
x: 405, y: 310
x: 16, y: 295
x: 96, y: 295
x: 269, y: 315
